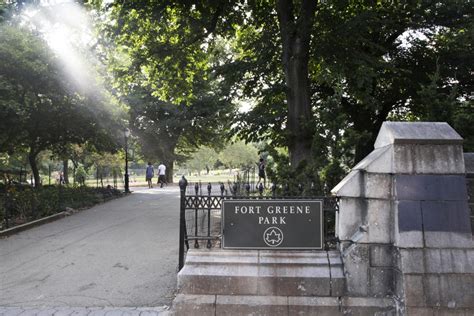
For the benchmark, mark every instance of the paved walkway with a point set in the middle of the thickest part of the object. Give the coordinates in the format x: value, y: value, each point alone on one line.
x: 119, y: 254
x: 82, y: 311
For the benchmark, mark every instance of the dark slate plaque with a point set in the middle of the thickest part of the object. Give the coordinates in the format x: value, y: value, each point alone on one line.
x: 409, y: 216
x: 447, y: 216
x: 272, y: 224
x: 431, y: 187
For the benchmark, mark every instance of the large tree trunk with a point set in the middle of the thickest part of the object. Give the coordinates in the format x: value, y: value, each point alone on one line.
x: 296, y: 37
x: 169, y: 171
x: 74, y: 164
x: 299, y: 111
x: 34, y: 167
x: 66, y: 170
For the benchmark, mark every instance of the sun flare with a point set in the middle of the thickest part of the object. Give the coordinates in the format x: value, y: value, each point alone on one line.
x: 66, y: 27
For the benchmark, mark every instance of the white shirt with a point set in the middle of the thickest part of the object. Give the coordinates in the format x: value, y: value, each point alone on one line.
x: 162, y: 170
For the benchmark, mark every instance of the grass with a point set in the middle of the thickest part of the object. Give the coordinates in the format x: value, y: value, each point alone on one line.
x: 214, y: 176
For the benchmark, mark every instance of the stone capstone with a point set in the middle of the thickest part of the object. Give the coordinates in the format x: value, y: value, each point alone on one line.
x: 416, y: 133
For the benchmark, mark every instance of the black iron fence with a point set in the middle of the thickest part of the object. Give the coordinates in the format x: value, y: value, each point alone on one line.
x: 200, y: 211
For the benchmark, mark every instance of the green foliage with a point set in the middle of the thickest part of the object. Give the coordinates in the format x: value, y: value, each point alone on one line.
x: 202, y: 158
x: 81, y: 175
x: 332, y: 174
x: 39, y: 107
x: 168, y: 131
x: 239, y: 155
x: 368, y: 62
x: 362, y: 74
x: 176, y: 103
x: 463, y: 119
x: 22, y: 204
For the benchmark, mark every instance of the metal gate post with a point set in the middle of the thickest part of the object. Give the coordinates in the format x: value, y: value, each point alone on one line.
x: 209, y: 190
x: 182, y: 227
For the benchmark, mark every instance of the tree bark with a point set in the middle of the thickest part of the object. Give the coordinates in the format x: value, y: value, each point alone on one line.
x: 74, y: 172
x: 169, y: 171
x: 296, y: 38
x: 66, y: 170
x: 34, y: 167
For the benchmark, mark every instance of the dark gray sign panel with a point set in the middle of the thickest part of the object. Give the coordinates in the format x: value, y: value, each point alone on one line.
x: 272, y: 224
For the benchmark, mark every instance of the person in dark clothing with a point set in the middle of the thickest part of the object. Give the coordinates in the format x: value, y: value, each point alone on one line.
x: 261, y: 172
x: 150, y: 173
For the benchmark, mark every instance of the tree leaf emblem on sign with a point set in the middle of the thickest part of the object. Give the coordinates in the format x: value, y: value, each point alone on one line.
x: 273, y: 236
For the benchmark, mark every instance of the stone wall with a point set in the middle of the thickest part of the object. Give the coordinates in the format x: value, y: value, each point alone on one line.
x: 404, y: 221
x: 469, y: 163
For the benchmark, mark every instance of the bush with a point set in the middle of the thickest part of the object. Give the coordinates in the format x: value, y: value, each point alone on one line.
x: 2, y: 210
x: 23, y: 204
x: 81, y: 175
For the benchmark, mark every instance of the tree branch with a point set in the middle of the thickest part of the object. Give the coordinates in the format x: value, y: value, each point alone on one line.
x: 211, y: 27
x: 286, y: 19
x: 306, y: 19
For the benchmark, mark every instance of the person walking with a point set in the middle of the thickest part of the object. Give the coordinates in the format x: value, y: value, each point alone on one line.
x: 261, y: 172
x: 150, y: 173
x: 161, y: 174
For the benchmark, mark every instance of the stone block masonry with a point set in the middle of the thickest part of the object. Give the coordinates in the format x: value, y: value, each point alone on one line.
x: 469, y: 163
x: 232, y: 282
x: 404, y: 221
x: 405, y: 245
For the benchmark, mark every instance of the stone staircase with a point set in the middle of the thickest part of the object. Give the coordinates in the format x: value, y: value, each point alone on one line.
x: 258, y: 282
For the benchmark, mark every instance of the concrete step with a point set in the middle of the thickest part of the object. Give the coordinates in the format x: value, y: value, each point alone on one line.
x: 273, y: 273
x: 203, y: 305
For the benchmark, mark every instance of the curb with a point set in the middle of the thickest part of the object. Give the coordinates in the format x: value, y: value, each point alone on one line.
x: 44, y: 220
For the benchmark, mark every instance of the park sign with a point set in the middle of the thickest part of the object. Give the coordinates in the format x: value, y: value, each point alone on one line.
x: 272, y: 224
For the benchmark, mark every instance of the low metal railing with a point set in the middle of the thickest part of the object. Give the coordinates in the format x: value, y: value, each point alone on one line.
x: 200, y: 213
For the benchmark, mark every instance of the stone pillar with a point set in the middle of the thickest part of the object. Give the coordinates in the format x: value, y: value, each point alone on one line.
x: 404, y: 221
x: 469, y: 163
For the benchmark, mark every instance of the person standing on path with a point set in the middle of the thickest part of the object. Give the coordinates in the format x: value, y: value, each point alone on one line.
x: 150, y: 173
x: 261, y: 172
x: 161, y: 174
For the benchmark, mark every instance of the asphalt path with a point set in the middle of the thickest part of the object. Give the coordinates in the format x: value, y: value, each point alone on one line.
x: 121, y: 253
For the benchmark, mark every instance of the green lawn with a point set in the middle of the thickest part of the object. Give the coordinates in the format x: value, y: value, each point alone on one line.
x: 214, y: 176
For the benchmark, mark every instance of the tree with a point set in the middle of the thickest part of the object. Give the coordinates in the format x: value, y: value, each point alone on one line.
x: 176, y: 105
x: 203, y: 158
x: 354, y: 58
x: 239, y: 155
x: 362, y: 56
x: 107, y: 164
x: 296, y: 24
x: 170, y: 34
x: 168, y: 132
x: 39, y: 110
x: 382, y: 56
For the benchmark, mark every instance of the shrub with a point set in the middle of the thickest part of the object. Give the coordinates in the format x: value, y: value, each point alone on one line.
x: 22, y: 204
